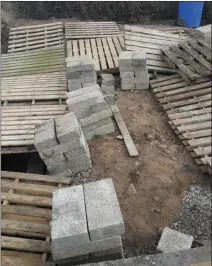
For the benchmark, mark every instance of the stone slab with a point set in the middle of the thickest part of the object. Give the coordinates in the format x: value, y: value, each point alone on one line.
x: 100, y: 131
x: 172, y: 240
x: 67, y: 128
x: 69, y: 224
x: 94, y: 246
x: 179, y: 258
x: 104, y: 216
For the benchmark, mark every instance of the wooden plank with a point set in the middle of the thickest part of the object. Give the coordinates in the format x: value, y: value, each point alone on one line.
x: 202, y: 50
x: 189, y: 113
x: 34, y: 177
x: 203, y: 151
x: 81, y: 47
x: 101, y: 54
x: 200, y: 142
x: 12, y: 261
x: 7, y: 225
x: 190, y: 107
x: 197, y: 134
x: 191, y: 120
x: 27, y: 211
x: 193, y: 127
x: 124, y: 131
x: 108, y: 56
x: 95, y: 54
x: 16, y: 243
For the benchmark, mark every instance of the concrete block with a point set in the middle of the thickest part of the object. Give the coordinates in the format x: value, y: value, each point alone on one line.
x: 88, y: 84
x: 77, y: 152
x: 83, y: 91
x: 139, y: 58
x: 100, y: 131
x: 73, y: 75
x: 104, y: 216
x: 54, y: 160
x: 117, y: 250
x: 93, y: 126
x: 125, y: 58
x: 135, y: 80
x: 67, y: 128
x: 44, y: 126
x: 73, y: 261
x: 172, y: 240
x: 74, y: 82
x: 109, y: 98
x: 61, y: 148
x: 142, y: 86
x: 127, y: 74
x: 94, y: 246
x: 82, y: 159
x: 126, y: 87
x: 108, y: 89
x: 58, y: 167
x: 81, y: 63
x: 82, y: 167
x: 45, y: 139
x: 107, y: 79
x: 144, y: 75
x: 123, y: 68
x: 95, y: 117
x: 203, y: 32
x: 67, y: 173
x: 74, y: 87
x: 69, y: 225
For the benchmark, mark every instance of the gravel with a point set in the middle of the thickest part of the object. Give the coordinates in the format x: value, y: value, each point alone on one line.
x: 195, y: 216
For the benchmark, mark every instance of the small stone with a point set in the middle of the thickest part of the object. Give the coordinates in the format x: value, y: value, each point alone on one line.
x: 156, y: 211
x: 150, y: 137
x: 162, y: 146
x: 156, y: 199
x: 130, y: 109
x: 154, y: 142
x: 137, y: 163
x: 119, y: 137
x: 131, y: 190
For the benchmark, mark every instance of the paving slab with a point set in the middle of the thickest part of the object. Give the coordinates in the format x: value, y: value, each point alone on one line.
x: 103, y: 212
x: 172, y: 240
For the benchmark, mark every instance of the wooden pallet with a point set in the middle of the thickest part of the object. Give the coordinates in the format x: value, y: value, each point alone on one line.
x: 35, y: 37
x: 84, y: 30
x: 182, y: 31
x: 26, y: 216
x: 18, y: 122
x: 151, y: 42
x: 189, y: 112
x: 192, y: 59
x: 43, y: 87
x: 104, y: 51
x: 33, y: 62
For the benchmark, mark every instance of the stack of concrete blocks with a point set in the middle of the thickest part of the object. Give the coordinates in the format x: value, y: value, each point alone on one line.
x: 91, y: 110
x: 204, y: 33
x: 62, y: 146
x: 133, y: 70
x: 86, y: 222
x: 80, y: 72
x: 107, y: 87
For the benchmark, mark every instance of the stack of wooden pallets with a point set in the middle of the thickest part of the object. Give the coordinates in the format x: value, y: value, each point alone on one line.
x: 188, y: 108
x: 26, y: 216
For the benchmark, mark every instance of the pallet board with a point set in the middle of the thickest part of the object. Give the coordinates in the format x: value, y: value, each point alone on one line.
x: 35, y: 37
x: 26, y: 206
x: 84, y: 30
x: 33, y: 62
x: 104, y: 51
x: 192, y: 59
x: 49, y: 86
x: 151, y: 42
x: 18, y: 122
x: 189, y: 112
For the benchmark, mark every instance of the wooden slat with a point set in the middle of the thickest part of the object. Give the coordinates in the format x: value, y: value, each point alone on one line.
x: 12, y: 261
x: 101, y: 54
x: 124, y: 131
x: 34, y: 177
x: 25, y: 244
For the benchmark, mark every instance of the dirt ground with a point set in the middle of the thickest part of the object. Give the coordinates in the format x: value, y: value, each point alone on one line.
x: 150, y: 187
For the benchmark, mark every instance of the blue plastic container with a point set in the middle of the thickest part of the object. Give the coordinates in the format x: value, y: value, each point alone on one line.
x: 191, y: 13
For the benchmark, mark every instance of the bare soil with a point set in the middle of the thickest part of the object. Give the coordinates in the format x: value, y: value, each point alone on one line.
x: 150, y: 187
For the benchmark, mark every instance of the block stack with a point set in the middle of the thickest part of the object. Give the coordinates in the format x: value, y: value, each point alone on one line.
x: 107, y: 87
x: 80, y: 72
x: 133, y: 70
x: 86, y: 220
x: 91, y: 110
x: 62, y: 146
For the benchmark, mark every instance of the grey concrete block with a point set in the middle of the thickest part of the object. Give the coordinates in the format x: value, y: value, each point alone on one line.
x: 61, y: 148
x: 82, y: 159
x: 127, y: 74
x: 142, y: 86
x: 54, y: 160
x: 95, y: 117
x: 44, y: 126
x: 79, y: 63
x: 109, y: 98
x: 67, y: 128
x: 144, y: 75
x: 88, y: 84
x: 93, y: 126
x: 100, y: 131
x: 125, y: 58
x: 104, y: 216
x: 126, y: 87
x: 117, y: 250
x: 82, y: 167
x: 172, y: 240
x: 76, y: 152
x: 107, y: 79
x: 123, y: 68
x: 139, y: 58
x: 69, y: 225
x: 45, y: 139
x: 108, y: 89
x: 135, y: 81
x: 85, y: 103
x: 58, y: 167
x: 67, y: 173
x: 84, y: 91
x: 73, y: 261
x: 84, y: 97
x: 74, y: 87
x: 94, y: 246
x: 73, y: 75
x: 203, y: 32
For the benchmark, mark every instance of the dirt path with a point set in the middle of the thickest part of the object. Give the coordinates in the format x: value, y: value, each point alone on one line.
x: 150, y: 188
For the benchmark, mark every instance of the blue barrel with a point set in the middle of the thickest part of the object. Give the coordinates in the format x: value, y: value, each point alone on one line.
x: 191, y: 13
